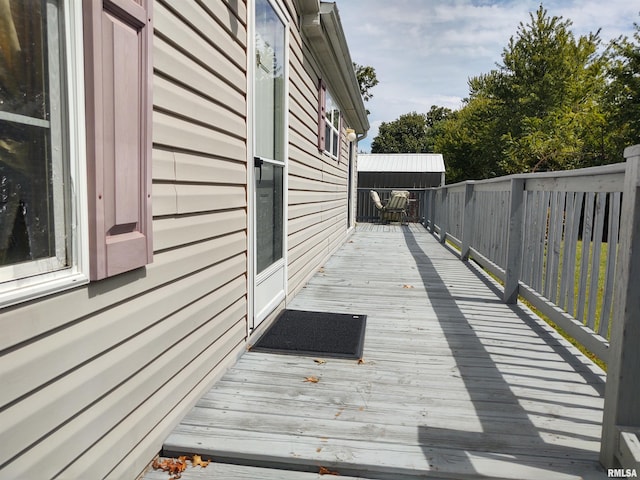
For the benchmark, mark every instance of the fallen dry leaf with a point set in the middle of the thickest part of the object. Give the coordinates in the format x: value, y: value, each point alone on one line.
x: 173, y: 466
x: 319, y: 361
x: 311, y: 379
x: 360, y: 361
x: 326, y: 471
x: 406, y: 285
x: 197, y: 460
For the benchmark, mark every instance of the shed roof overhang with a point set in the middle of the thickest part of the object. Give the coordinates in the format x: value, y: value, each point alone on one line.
x: 321, y: 25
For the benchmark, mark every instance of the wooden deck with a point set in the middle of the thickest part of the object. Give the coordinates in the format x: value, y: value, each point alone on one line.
x: 454, y: 384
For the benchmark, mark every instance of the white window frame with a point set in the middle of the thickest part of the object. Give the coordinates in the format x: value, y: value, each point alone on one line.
x: 332, y: 132
x: 33, y: 279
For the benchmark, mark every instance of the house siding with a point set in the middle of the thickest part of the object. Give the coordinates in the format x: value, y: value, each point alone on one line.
x: 317, y: 192
x: 96, y: 377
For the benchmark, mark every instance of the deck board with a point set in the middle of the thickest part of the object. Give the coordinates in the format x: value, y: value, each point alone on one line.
x: 454, y: 383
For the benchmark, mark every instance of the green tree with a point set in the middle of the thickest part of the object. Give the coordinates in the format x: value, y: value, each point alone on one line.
x: 407, y: 134
x: 468, y: 142
x: 410, y: 133
x: 367, y: 79
x: 541, y: 109
x: 550, y: 87
x: 622, y: 96
x: 437, y: 114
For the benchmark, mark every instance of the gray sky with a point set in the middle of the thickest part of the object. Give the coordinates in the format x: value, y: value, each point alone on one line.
x: 424, y: 51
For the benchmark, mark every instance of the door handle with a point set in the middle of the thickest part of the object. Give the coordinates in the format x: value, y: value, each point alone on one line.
x: 257, y: 163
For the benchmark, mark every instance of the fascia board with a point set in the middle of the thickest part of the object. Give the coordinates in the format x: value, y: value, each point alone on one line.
x: 308, y: 7
x: 329, y: 46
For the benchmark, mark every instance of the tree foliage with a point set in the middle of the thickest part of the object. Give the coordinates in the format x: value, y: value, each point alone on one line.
x: 411, y: 133
x: 367, y: 79
x: 550, y: 85
x: 555, y: 101
x: 622, y: 96
x: 407, y: 134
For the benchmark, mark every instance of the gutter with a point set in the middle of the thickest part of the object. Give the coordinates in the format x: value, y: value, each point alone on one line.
x: 321, y: 25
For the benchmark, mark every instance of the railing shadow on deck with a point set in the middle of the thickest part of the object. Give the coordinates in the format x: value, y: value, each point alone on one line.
x: 568, y: 243
x: 536, y: 453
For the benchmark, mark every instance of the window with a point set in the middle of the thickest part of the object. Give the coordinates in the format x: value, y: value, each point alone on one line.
x: 332, y: 127
x: 75, y: 176
x: 329, y: 123
x: 41, y: 201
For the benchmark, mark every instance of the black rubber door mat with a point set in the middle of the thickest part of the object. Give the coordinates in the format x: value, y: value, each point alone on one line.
x: 320, y: 334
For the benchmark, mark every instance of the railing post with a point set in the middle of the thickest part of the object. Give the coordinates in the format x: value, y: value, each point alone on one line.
x: 514, y: 241
x: 467, y: 222
x: 425, y: 206
x: 621, y: 420
x: 445, y: 215
x: 432, y: 210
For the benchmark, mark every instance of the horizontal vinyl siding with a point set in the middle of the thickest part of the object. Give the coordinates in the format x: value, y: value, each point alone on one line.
x: 95, y: 377
x: 317, y: 183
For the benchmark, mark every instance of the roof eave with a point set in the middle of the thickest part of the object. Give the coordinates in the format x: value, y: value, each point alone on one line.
x: 327, y: 41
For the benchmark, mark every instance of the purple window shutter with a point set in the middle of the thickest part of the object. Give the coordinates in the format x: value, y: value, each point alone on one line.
x: 322, y: 107
x: 340, y: 126
x: 118, y: 76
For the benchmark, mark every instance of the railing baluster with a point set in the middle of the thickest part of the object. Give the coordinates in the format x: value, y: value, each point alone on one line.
x: 468, y: 222
x: 540, y: 235
x: 595, y: 260
x: 568, y: 257
x: 612, y: 249
x: 553, y: 247
x: 445, y: 214
x: 573, y: 243
x: 587, y: 228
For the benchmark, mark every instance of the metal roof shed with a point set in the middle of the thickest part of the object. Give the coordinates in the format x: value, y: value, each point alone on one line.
x: 400, y: 170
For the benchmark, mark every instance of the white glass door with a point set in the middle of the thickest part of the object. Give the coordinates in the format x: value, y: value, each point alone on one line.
x: 269, y: 159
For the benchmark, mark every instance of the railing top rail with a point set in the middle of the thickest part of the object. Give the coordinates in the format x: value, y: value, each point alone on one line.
x: 388, y: 189
x: 616, y: 168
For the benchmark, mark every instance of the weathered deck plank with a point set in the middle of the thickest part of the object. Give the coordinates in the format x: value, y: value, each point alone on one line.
x: 454, y: 384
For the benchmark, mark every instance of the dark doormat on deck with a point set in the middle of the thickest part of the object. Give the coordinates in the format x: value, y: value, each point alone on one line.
x: 299, y: 332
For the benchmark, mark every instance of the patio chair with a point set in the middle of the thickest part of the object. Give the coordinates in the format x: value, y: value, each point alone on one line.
x: 395, y: 209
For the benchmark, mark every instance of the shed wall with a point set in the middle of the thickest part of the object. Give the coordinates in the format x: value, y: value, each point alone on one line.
x: 399, y: 179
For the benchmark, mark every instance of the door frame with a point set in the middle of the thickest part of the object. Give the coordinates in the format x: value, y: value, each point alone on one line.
x: 254, y: 317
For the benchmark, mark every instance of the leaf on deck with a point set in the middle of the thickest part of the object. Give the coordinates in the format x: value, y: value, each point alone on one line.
x: 173, y: 466
x: 406, y: 285
x: 311, y: 379
x: 319, y: 361
x: 326, y: 471
x: 197, y: 460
